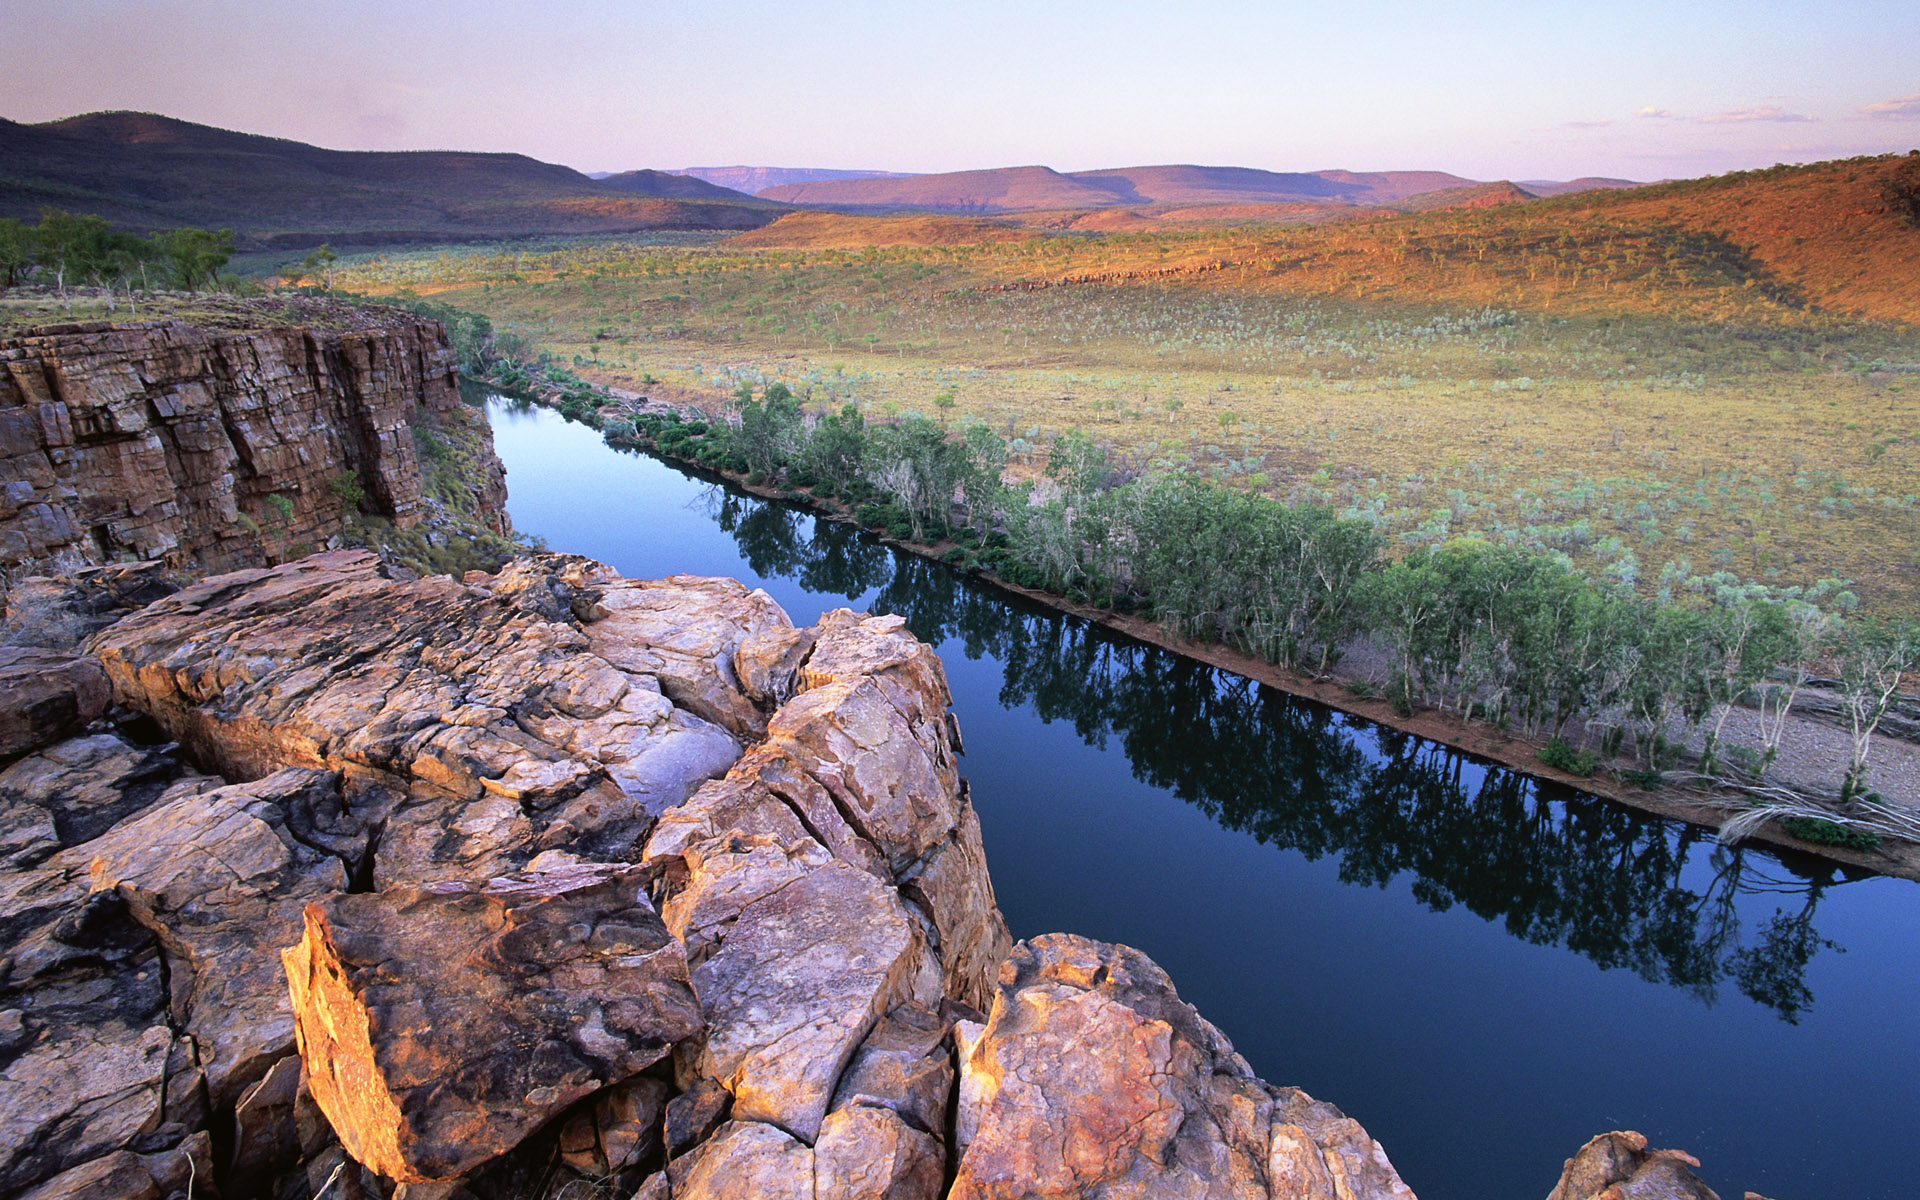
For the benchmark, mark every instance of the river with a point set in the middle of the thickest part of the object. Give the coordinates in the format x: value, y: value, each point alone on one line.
x: 1483, y: 970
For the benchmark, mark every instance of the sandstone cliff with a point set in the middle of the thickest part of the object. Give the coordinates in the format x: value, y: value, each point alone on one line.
x: 217, y: 449
x: 551, y: 882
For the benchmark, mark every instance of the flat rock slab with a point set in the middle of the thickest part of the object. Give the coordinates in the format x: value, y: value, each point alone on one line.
x: 442, y: 1024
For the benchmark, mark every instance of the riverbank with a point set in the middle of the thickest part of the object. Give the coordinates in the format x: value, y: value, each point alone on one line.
x: 1348, y: 692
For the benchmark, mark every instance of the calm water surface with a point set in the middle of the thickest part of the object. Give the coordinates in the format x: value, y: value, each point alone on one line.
x: 1482, y: 970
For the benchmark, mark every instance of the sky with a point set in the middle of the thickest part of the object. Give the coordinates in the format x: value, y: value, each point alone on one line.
x: 1492, y: 90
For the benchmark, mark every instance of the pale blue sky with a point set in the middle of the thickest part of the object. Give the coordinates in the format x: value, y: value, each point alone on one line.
x: 1488, y: 90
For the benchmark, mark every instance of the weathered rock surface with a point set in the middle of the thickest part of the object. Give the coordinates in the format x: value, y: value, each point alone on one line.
x: 74, y: 791
x: 46, y: 696
x: 1619, y: 1166
x: 1091, y: 1077
x: 155, y: 440
x: 443, y: 1024
x: 497, y: 733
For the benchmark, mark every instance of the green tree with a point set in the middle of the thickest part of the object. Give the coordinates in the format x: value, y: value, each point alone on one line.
x: 196, y: 255
x: 1875, y: 656
x: 836, y: 449
x: 319, y: 261
x: 16, y: 252
x: 770, y: 430
x: 69, y: 245
x: 916, y: 464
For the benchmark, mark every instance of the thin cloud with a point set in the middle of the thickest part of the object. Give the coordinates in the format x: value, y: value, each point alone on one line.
x: 1900, y: 108
x: 1767, y: 112
x: 1655, y: 114
x: 1583, y: 124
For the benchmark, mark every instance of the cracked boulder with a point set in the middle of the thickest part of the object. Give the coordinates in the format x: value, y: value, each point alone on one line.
x: 1091, y: 1077
x: 443, y: 1024
x: 684, y: 630
x: 134, y: 997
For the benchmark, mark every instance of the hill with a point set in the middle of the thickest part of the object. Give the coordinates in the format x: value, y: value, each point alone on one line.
x: 1586, y: 183
x: 753, y: 180
x: 143, y: 171
x: 1002, y: 189
x: 1191, y: 186
x: 1836, y: 237
x: 674, y: 186
x: 1473, y: 195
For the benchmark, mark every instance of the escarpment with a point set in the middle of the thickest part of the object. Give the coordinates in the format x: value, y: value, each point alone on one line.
x: 220, y: 449
x: 549, y: 882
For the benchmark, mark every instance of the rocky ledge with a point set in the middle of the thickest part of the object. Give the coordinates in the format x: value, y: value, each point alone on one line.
x: 222, y: 448
x: 551, y: 883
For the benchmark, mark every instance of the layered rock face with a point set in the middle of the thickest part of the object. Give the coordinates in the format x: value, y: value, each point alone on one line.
x: 170, y: 441
x: 555, y: 879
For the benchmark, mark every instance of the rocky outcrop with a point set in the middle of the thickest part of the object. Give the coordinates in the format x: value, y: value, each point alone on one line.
x: 1619, y: 1166
x: 1091, y: 1077
x: 577, y: 878
x: 177, y: 442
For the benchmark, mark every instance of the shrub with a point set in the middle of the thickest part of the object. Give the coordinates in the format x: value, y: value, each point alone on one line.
x: 1562, y: 757
x: 1644, y: 780
x: 1828, y: 833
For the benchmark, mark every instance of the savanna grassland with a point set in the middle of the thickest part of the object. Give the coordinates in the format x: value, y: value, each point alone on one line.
x: 1715, y: 375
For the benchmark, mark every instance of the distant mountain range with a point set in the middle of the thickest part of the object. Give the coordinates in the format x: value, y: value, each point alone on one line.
x: 752, y: 180
x: 144, y: 171
x: 1149, y: 189
x: 1586, y: 183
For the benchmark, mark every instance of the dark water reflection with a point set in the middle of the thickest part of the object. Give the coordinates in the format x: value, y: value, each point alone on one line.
x: 1390, y: 923
x: 1555, y: 867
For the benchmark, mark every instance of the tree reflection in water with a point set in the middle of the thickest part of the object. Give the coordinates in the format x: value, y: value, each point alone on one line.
x: 1624, y: 889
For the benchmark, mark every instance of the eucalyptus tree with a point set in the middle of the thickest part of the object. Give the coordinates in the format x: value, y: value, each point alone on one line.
x: 1809, y: 634
x: 196, y: 255
x: 915, y: 464
x: 836, y: 448
x: 1748, y: 632
x: 1875, y: 657
x: 16, y: 252
x: 770, y: 431
x: 69, y: 244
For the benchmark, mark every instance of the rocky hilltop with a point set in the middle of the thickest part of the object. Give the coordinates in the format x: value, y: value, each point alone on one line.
x: 221, y: 448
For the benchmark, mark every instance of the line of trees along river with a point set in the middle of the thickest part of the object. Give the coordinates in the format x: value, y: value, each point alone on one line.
x: 1610, y: 670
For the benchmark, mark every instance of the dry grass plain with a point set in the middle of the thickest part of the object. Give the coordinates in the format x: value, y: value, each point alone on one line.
x: 1718, y: 375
